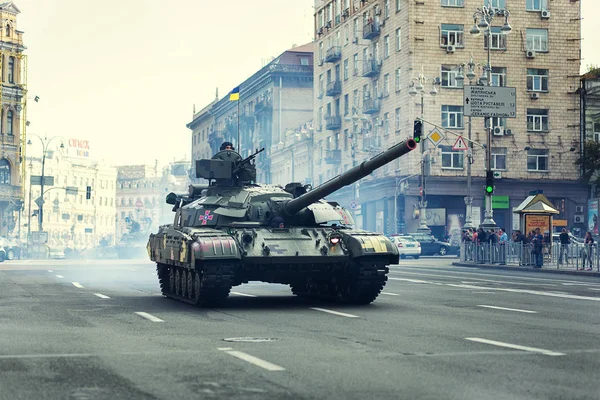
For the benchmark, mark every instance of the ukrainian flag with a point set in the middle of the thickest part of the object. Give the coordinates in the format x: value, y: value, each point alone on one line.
x: 235, y: 94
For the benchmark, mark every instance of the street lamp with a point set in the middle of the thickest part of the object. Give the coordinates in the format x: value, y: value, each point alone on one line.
x: 421, y: 81
x: 460, y: 77
x: 45, y: 143
x: 485, y: 15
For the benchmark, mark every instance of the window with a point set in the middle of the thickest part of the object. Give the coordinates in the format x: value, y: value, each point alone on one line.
x: 321, y: 52
x: 346, y: 69
x: 355, y: 29
x: 498, y: 158
x: 498, y: 39
x: 386, y: 85
x: 355, y: 98
x: 449, y: 73
x: 355, y: 66
x: 452, y: 117
x: 398, y: 120
x: 536, y: 5
x: 346, y: 139
x: 386, y: 46
x: 320, y: 118
x: 453, y: 3
x: 398, y: 5
x: 4, y: 172
x: 9, y: 123
x: 386, y: 9
x: 497, y: 121
x: 303, y: 60
x: 495, y: 3
x: 597, y: 131
x: 452, y: 159
x: 537, y: 39
x: 398, y: 39
x: 11, y: 70
x: 537, y: 80
x: 321, y: 86
x: 452, y: 35
x: 386, y: 123
x: 537, y: 120
x: 346, y: 105
x: 537, y: 160
x: 498, y: 76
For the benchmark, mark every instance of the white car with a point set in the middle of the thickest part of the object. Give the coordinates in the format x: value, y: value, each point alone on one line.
x: 407, y: 246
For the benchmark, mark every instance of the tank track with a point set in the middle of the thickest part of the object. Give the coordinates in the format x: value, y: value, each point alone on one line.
x: 362, y: 286
x: 207, y: 287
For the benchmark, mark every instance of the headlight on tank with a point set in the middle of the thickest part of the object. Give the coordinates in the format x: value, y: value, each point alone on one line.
x: 334, y: 238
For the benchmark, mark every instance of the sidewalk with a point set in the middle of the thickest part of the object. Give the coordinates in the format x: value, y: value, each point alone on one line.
x: 566, y: 270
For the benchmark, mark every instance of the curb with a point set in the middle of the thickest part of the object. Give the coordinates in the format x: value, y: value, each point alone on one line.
x: 527, y: 269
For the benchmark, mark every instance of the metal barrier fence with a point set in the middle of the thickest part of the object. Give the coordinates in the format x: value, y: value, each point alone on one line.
x: 574, y: 255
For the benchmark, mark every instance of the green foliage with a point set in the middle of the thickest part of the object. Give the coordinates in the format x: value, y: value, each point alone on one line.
x: 590, y: 162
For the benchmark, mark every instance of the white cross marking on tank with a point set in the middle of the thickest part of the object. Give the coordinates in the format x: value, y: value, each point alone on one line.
x: 206, y: 217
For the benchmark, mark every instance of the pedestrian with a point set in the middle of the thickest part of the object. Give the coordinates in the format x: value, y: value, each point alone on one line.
x: 538, y: 248
x: 565, y: 241
x: 588, y: 247
x: 493, y: 245
x: 502, y: 245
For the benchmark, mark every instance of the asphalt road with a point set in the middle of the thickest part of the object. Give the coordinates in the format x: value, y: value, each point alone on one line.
x: 100, y: 330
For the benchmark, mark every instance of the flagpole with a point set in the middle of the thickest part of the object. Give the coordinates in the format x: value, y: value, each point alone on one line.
x: 238, y: 127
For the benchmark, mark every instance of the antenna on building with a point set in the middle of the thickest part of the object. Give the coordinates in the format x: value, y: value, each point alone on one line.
x: 217, y: 94
x: 194, y: 109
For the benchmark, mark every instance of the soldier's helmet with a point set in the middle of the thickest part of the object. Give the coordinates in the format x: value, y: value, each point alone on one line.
x: 227, y: 146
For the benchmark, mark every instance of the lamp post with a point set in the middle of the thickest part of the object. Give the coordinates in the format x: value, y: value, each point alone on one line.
x: 45, y: 143
x: 486, y: 16
x: 354, y: 148
x: 421, y: 80
x: 470, y: 75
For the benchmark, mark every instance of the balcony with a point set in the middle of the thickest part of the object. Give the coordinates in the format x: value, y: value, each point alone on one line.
x: 263, y: 105
x: 333, y: 156
x: 9, y: 192
x: 8, y: 139
x: 371, y: 30
x: 334, y: 88
x: 333, y: 123
x: 371, y: 106
x: 371, y: 68
x: 333, y: 54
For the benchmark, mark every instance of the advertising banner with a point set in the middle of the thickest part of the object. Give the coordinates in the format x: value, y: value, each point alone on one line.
x: 537, y: 221
x: 593, y: 216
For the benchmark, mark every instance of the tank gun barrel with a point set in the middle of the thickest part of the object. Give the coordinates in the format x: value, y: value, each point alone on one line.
x: 354, y: 174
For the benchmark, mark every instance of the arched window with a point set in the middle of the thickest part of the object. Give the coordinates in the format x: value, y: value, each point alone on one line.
x: 4, y: 172
x: 9, y: 123
x: 11, y: 70
x: 8, y: 30
x: 130, y: 201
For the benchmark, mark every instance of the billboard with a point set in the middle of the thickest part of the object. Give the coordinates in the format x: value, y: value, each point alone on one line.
x: 593, y: 216
x: 537, y: 221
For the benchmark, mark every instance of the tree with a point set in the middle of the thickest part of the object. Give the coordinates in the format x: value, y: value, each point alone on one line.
x: 590, y: 162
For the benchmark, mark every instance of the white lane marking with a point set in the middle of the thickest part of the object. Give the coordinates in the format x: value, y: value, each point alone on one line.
x: 594, y: 288
x: 409, y: 280
x: 50, y: 270
x: 148, y: 316
x: 508, y: 309
x: 254, y: 360
x: 341, y: 314
x: 101, y: 296
x: 131, y: 269
x: 59, y: 276
x: 581, y: 284
x: 77, y: 285
x: 473, y: 279
x: 536, y: 292
x: 224, y: 348
x: 390, y: 294
x: 243, y: 294
x: 516, y: 347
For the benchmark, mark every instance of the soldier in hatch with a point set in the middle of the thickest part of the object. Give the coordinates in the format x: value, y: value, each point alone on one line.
x: 227, y: 146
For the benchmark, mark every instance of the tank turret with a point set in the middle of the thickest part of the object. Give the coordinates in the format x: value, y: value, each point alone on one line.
x: 227, y: 168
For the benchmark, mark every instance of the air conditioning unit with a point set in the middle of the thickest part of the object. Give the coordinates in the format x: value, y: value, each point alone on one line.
x: 508, y: 132
x: 355, y: 40
x: 498, y: 131
x: 450, y: 49
x: 530, y: 54
x: 578, y: 209
x: 545, y: 14
x: 535, y: 96
x: 578, y: 219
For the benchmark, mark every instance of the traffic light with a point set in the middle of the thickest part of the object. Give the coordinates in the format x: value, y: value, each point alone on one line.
x: 489, y: 182
x: 88, y: 193
x: 417, y: 131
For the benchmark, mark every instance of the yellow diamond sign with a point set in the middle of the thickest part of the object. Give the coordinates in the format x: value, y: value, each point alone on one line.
x: 435, y: 137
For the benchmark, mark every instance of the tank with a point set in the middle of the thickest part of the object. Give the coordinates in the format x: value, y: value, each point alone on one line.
x: 132, y: 244
x: 233, y: 231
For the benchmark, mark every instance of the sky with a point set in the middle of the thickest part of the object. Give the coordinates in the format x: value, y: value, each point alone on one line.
x: 125, y: 74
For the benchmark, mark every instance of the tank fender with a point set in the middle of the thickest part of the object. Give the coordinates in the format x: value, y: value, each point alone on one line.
x: 362, y: 243
x: 215, y: 247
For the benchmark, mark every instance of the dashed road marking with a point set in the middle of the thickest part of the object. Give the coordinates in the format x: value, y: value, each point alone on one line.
x: 254, y: 360
x: 594, y: 289
x: 77, y: 285
x: 341, y: 314
x: 50, y: 270
x: 59, y: 276
x: 390, y: 294
x: 409, y: 280
x: 535, y: 292
x: 243, y: 294
x: 508, y: 309
x: 101, y: 296
x: 516, y: 347
x: 149, y: 316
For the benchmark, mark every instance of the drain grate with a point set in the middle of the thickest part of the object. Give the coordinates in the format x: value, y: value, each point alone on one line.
x: 250, y: 339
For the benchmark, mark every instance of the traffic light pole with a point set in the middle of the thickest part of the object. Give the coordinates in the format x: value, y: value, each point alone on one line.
x: 423, y: 204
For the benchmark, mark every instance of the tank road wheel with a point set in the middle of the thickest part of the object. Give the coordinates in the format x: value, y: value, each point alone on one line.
x: 212, y: 284
x: 197, y: 287
x: 171, y: 280
x: 163, y: 278
x: 178, y: 282
x: 365, y: 283
x: 190, y: 285
x: 183, y: 283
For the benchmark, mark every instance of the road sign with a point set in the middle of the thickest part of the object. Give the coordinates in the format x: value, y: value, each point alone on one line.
x: 39, y: 201
x: 497, y: 174
x: 71, y: 189
x: 139, y: 204
x: 490, y: 101
x: 435, y: 137
x: 37, y: 180
x: 460, y: 144
x: 353, y: 205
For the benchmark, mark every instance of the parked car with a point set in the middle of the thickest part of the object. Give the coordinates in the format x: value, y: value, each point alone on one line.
x: 407, y: 246
x: 56, y: 254
x: 2, y: 254
x: 430, y: 245
x: 11, y: 248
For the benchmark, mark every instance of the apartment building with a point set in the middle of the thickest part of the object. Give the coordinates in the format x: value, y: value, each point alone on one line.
x: 368, y: 54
